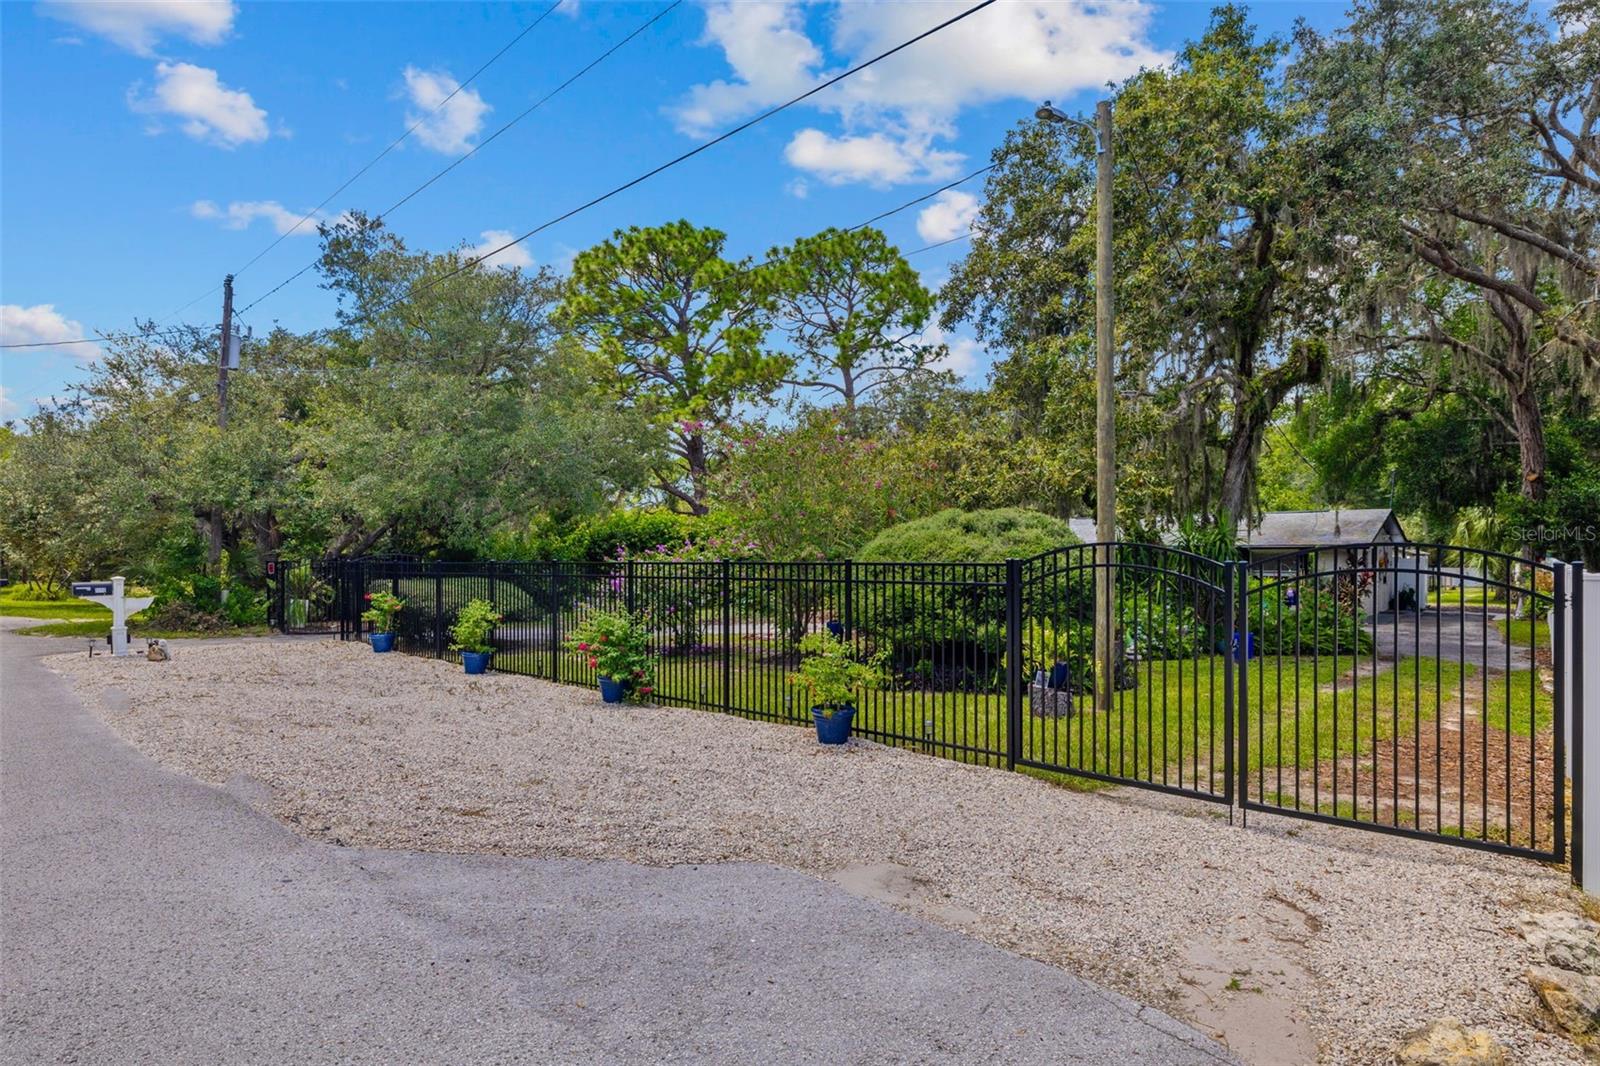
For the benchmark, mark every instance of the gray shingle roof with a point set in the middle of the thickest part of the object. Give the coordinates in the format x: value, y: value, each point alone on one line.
x: 1310, y: 529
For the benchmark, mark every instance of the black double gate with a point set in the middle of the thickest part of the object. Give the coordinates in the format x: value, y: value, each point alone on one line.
x: 1414, y: 690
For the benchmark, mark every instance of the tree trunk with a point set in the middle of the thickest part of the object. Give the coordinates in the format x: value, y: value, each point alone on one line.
x: 1528, y: 421
x: 694, y: 453
x: 1254, y: 402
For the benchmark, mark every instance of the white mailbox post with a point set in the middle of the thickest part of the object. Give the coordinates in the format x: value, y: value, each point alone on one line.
x: 110, y: 594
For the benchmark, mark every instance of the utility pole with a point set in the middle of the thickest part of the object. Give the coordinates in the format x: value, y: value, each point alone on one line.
x: 215, y: 554
x: 1105, y: 437
x: 1105, y: 424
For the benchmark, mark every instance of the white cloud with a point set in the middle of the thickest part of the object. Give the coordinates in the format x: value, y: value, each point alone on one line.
x: 962, y: 356
x: 448, y: 128
x: 1025, y: 49
x: 771, y: 56
x: 43, y: 324
x: 515, y: 256
x: 207, y: 110
x: 9, y: 408
x: 876, y: 158
x: 798, y: 188
x: 239, y: 214
x: 138, y: 25
x: 948, y: 216
x: 894, y: 112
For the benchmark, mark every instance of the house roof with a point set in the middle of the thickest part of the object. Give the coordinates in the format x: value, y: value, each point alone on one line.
x: 1323, y: 529
x: 1083, y: 529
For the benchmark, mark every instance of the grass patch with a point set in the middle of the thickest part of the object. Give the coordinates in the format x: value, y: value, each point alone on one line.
x: 60, y: 607
x: 1468, y: 595
x: 1524, y: 632
x: 98, y: 628
x: 1518, y: 704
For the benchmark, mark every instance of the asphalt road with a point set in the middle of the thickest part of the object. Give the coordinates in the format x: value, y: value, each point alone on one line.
x: 146, y: 917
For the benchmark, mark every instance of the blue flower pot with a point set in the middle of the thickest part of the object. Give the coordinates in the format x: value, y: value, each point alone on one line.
x: 383, y: 642
x: 1058, y: 676
x: 612, y: 690
x: 833, y: 728
x: 1247, y: 652
x: 836, y: 628
x: 476, y: 662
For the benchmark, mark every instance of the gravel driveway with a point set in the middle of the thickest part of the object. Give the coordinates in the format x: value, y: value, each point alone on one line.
x: 146, y: 917
x: 1294, y: 942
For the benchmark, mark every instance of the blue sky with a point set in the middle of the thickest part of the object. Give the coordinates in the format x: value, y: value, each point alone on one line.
x: 148, y: 147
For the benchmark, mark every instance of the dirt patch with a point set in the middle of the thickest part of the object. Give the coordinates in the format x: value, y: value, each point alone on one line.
x: 1353, y: 939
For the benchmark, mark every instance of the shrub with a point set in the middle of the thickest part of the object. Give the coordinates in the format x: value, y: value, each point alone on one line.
x: 474, y: 623
x: 954, y: 536
x: 634, y: 532
x: 385, y: 606
x: 617, y: 646
x: 195, y: 601
x: 1045, y: 644
x: 953, y: 633
x: 1308, y: 625
x: 830, y: 675
x: 674, y: 599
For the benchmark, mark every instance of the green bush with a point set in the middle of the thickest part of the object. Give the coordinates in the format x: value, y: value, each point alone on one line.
x: 634, y: 532
x: 1308, y: 626
x: 953, y: 536
x: 474, y: 624
x: 195, y: 601
x: 952, y: 634
x: 830, y: 674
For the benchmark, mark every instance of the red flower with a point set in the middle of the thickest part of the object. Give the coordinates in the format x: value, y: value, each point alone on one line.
x: 583, y: 645
x: 593, y: 662
x: 645, y: 690
x: 369, y: 595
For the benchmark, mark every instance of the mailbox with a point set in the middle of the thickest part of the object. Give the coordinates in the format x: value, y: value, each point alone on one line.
x: 110, y: 594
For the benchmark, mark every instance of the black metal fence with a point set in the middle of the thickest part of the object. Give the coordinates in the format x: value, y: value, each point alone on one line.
x: 1411, y: 689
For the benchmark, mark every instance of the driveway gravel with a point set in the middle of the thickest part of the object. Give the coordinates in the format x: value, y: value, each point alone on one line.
x: 146, y: 917
x: 1294, y: 942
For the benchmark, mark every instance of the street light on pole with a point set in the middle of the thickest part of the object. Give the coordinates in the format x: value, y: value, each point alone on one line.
x: 1105, y: 439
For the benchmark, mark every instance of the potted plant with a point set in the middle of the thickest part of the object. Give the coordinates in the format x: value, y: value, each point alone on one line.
x: 470, y: 634
x: 618, y: 649
x: 382, y: 608
x: 830, y: 676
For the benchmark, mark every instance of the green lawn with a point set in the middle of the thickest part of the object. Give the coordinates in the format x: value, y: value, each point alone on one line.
x: 68, y: 616
x: 1172, y: 719
x: 99, y: 627
x: 13, y: 602
x: 1519, y: 631
x: 1469, y: 594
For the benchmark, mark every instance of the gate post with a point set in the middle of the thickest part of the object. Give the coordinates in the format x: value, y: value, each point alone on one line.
x: 555, y: 621
x: 438, y: 615
x: 1585, y: 707
x: 847, y: 618
x: 1013, y: 661
x: 1229, y: 621
x: 727, y: 636
x: 1242, y: 705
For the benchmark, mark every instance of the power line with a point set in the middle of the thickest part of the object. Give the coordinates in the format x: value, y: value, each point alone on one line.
x: 607, y: 54
x: 940, y: 244
x: 416, y: 290
x: 859, y: 225
x: 926, y: 196
x: 690, y: 154
x: 375, y: 159
x: 98, y: 336
x: 409, y: 131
